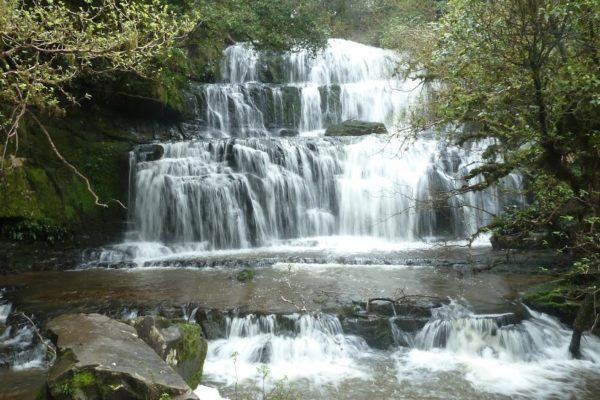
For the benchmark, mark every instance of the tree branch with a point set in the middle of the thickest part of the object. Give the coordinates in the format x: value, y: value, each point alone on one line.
x: 71, y: 166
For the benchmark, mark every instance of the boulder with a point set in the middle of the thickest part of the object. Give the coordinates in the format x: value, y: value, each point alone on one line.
x: 376, y: 331
x: 179, y: 344
x: 100, y: 358
x: 356, y: 128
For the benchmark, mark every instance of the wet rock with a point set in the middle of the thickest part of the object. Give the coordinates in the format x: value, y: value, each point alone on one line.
x: 375, y: 330
x: 158, y: 333
x: 99, y: 357
x: 212, y: 323
x: 554, y: 298
x: 288, y: 132
x: 180, y: 344
x: 411, y: 307
x: 150, y: 152
x: 410, y: 324
x: 356, y: 128
x: 529, y: 241
x: 286, y: 323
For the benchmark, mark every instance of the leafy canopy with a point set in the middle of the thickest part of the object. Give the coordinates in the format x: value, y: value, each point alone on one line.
x: 526, y: 75
x: 45, y: 45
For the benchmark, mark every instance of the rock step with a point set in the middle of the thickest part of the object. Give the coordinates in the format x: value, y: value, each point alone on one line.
x: 99, y: 357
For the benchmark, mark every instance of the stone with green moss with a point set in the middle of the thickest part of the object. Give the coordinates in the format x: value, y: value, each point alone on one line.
x: 245, y: 275
x: 558, y: 298
x: 44, y: 190
x: 190, y: 353
x: 180, y: 344
x: 100, y: 358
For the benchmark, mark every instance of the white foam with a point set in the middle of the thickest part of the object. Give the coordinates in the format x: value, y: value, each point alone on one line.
x: 208, y: 393
x: 530, y: 360
x: 317, y: 351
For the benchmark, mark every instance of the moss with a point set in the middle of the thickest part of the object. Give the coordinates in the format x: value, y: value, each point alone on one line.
x: 83, y: 379
x: 43, y: 191
x: 191, y: 353
x: 80, y: 384
x: 558, y: 298
x: 246, y: 275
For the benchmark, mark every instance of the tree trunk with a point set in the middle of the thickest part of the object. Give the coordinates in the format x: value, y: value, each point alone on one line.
x: 583, y: 321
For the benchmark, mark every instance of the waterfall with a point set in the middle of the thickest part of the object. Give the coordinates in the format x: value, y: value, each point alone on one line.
x: 261, y: 171
x: 290, y: 347
x: 499, y: 354
x: 261, y: 93
x: 496, y: 355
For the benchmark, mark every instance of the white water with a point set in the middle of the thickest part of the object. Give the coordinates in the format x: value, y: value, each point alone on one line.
x: 346, y: 81
x: 19, y: 347
x: 211, y: 195
x: 475, y: 355
x: 527, y: 360
x: 315, y: 347
x: 262, y: 191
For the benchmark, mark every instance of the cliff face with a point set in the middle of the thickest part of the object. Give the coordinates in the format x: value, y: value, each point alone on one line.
x: 46, y: 209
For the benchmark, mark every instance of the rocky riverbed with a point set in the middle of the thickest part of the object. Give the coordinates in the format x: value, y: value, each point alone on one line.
x: 383, y: 299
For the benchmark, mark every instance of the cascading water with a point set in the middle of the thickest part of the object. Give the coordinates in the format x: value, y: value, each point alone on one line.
x: 263, y: 93
x: 20, y: 347
x: 499, y: 355
x: 290, y: 348
x: 490, y: 355
x: 261, y: 173
x: 257, y: 187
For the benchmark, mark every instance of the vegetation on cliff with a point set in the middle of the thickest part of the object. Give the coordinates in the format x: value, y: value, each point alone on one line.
x: 77, y: 75
x: 524, y: 75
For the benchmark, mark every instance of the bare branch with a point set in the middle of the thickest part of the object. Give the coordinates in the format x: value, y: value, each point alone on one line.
x: 71, y: 166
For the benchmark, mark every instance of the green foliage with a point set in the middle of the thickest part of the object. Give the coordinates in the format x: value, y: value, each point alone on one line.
x: 35, y: 231
x: 525, y: 76
x: 46, y: 45
x: 386, y: 23
x: 272, y: 25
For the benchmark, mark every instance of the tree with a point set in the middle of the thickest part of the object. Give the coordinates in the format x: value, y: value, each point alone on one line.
x: 382, y: 22
x: 46, y: 46
x: 525, y: 75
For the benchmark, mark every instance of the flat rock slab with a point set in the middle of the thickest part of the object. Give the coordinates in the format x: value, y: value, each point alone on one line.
x: 102, y: 358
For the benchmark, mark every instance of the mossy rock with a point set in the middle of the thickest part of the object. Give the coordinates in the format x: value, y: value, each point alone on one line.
x: 375, y: 330
x: 555, y: 298
x: 245, y: 275
x: 100, y: 358
x: 190, y: 353
x: 43, y: 193
x: 180, y: 344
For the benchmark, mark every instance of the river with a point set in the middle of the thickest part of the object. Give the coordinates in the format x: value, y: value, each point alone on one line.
x: 325, y: 223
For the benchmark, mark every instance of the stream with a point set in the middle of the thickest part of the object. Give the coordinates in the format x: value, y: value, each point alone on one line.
x: 326, y: 223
